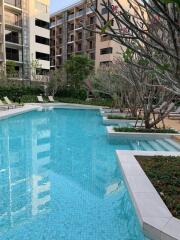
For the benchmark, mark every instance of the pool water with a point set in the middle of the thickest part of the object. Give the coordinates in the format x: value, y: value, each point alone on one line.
x: 59, y: 179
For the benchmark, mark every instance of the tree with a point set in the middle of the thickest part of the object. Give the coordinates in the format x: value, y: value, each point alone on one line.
x: 78, y: 67
x: 134, y: 89
x: 150, y: 29
x: 56, y: 81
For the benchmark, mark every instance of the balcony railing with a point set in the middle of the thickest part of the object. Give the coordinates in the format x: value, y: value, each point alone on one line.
x: 13, y: 23
x: 80, y: 13
x: 52, y: 24
x: 13, y: 39
x: 77, y: 26
x: 59, y: 21
x: 90, y: 10
x: 71, y: 16
x: 15, y: 3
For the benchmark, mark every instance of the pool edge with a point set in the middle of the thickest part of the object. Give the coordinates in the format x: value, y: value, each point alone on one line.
x: 155, y: 218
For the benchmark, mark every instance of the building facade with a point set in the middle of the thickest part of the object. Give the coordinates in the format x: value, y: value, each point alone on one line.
x: 24, y: 36
x: 68, y: 37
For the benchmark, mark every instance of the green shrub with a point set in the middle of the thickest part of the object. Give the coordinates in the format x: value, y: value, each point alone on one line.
x: 72, y: 93
x: 96, y: 102
x: 144, y: 130
x: 164, y: 173
x: 29, y: 99
x: 15, y: 92
x: 123, y: 117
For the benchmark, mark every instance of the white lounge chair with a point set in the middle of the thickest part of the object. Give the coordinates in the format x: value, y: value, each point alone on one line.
x: 51, y: 99
x: 175, y: 114
x: 170, y: 107
x: 40, y: 99
x: 159, y: 109
x: 3, y: 106
x: 9, y: 103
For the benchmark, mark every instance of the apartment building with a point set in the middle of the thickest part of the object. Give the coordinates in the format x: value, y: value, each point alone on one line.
x: 68, y: 37
x: 24, y: 36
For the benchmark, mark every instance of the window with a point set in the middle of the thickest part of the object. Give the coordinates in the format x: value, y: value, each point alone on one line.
x: 90, y: 45
x: 104, y: 11
x: 92, y: 20
x: 12, y: 54
x: 105, y: 37
x: 42, y: 40
x: 12, y: 36
x: 13, y: 19
x: 42, y: 56
x: 42, y: 24
x: 106, y: 63
x: 106, y: 50
x: 42, y: 71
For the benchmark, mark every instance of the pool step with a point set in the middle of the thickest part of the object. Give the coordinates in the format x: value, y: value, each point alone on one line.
x: 144, y: 146
x: 174, y: 144
x: 163, y: 146
x: 149, y: 145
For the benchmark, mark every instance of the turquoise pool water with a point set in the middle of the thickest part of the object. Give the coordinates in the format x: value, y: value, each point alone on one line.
x: 59, y: 179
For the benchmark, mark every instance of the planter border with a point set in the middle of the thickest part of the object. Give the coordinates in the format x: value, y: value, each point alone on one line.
x: 108, y: 121
x: 140, y: 135
x: 155, y: 218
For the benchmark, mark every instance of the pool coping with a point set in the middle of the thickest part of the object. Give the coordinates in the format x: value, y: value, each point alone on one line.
x: 28, y: 107
x: 66, y: 105
x: 112, y: 133
x: 18, y: 110
x: 117, y: 121
x: 155, y: 218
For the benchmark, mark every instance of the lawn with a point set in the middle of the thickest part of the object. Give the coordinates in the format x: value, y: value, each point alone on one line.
x: 164, y: 173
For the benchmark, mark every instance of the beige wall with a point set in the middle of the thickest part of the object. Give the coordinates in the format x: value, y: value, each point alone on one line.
x: 39, y: 9
x: 117, y: 48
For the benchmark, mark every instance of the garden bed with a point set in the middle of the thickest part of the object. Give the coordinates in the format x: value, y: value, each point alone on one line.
x: 164, y: 173
x: 144, y: 130
x: 120, y: 117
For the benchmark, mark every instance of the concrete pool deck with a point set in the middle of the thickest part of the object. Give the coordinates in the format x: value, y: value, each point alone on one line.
x: 155, y: 218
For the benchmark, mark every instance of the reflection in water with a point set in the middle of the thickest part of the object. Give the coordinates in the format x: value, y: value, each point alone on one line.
x: 60, y: 180
x: 24, y: 178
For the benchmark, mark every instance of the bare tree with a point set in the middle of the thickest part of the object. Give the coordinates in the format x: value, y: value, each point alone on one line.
x: 135, y: 89
x: 150, y: 29
x: 57, y: 80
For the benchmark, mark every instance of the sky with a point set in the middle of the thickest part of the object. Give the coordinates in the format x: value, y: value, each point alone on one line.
x: 56, y: 5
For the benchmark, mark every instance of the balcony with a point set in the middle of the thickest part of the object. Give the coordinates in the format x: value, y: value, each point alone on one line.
x: 1, y: 38
x: 16, y: 24
x: 70, y: 39
x: 70, y: 50
x: 52, y: 24
x: 90, y: 10
x: 1, y: 57
x: 13, y: 4
x: 59, y: 21
x: 78, y: 26
x: 80, y: 13
x: 13, y: 40
x: 71, y: 16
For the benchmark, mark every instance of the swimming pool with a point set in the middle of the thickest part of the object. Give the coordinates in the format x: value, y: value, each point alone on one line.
x: 59, y: 179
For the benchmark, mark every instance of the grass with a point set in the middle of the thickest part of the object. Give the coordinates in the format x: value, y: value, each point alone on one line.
x: 164, y: 173
x: 144, y: 130
x: 123, y: 117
